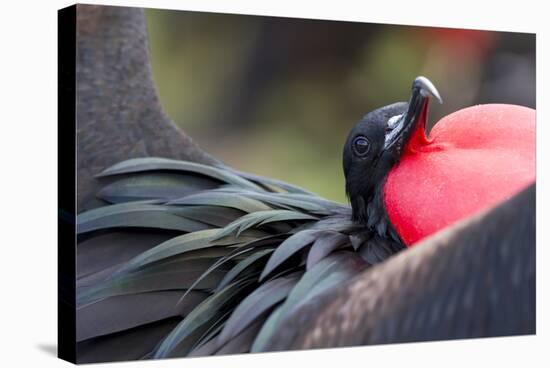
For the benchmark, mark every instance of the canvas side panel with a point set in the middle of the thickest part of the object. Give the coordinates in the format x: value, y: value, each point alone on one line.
x: 66, y: 150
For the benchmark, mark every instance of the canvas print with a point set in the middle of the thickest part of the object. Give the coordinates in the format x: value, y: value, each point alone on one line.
x: 241, y: 184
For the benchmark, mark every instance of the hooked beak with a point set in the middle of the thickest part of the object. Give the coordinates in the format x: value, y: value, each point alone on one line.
x: 400, y: 129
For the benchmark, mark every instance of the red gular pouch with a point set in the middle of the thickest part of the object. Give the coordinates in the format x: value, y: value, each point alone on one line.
x: 473, y: 159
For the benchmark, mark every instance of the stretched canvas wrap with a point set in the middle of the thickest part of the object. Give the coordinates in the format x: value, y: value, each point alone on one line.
x: 240, y: 184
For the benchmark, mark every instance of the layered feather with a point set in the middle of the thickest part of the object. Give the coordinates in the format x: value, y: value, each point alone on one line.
x: 229, y: 255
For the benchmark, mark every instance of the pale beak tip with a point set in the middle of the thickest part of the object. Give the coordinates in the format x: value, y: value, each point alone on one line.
x: 426, y: 88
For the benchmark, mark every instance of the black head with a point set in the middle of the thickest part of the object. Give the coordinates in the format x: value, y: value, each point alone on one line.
x: 366, y: 161
x: 375, y: 145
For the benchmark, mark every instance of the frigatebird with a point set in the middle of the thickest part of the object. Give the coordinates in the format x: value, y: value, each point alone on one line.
x: 237, y: 254
x: 182, y: 258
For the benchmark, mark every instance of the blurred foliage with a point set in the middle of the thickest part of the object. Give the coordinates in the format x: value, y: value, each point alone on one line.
x: 277, y: 96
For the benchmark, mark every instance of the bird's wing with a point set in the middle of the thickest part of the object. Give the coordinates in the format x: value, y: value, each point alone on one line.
x: 474, y: 279
x: 226, y: 254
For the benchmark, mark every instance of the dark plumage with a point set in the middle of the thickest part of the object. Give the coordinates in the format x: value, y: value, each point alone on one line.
x: 255, y: 247
x: 119, y: 114
x: 477, y: 280
x: 230, y: 244
x: 184, y: 258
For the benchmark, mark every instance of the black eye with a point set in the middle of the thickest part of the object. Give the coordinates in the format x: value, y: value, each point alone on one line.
x: 361, y: 146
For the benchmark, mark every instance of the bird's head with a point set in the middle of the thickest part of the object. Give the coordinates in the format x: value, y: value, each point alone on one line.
x: 407, y: 186
x: 377, y: 142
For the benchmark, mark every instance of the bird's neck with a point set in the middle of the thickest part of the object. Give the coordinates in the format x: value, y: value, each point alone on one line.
x: 368, y: 210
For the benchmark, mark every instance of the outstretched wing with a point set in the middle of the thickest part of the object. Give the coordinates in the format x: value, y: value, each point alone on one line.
x: 189, y: 259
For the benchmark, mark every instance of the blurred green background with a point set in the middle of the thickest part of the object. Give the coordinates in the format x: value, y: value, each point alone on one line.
x: 278, y: 96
